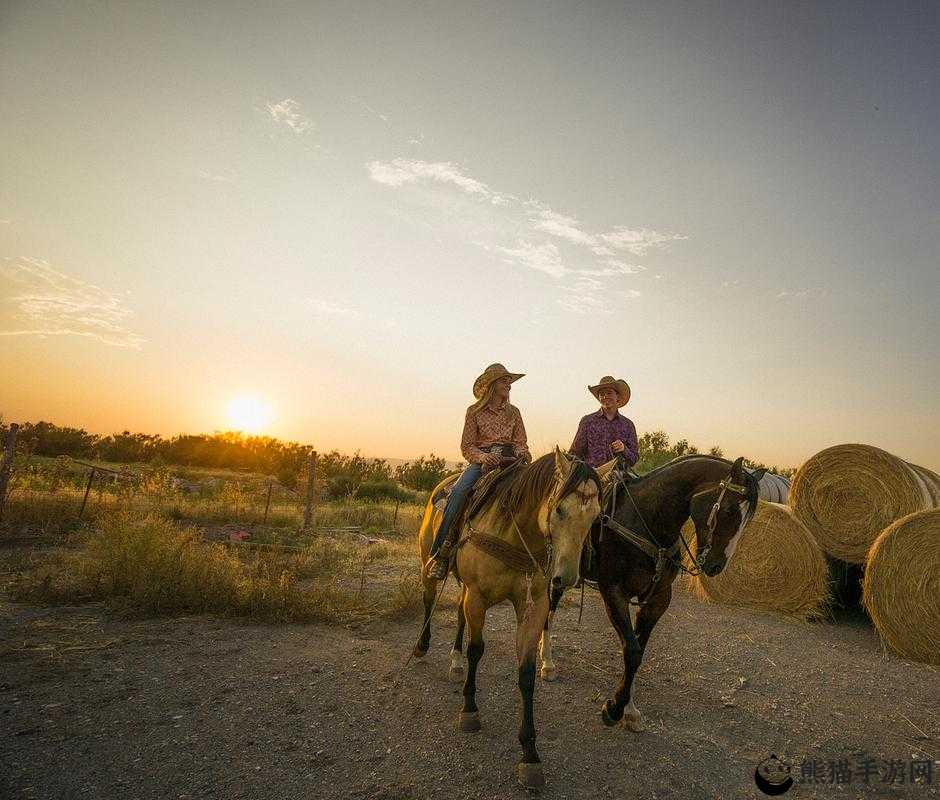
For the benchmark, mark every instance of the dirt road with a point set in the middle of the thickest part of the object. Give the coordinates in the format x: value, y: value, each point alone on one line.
x: 93, y: 706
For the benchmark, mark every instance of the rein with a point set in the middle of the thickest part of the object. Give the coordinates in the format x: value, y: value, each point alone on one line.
x: 651, y: 546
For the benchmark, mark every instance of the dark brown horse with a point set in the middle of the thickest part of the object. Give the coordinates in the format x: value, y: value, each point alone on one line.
x: 638, y: 551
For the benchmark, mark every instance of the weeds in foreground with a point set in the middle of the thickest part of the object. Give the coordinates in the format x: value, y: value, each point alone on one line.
x: 154, y: 567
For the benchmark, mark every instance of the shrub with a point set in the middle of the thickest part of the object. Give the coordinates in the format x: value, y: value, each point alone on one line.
x: 383, y: 490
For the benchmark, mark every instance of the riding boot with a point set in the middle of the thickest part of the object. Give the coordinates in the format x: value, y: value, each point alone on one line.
x: 439, y: 564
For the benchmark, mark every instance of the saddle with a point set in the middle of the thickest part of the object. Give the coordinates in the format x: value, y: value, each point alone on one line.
x: 482, y: 490
x: 589, y: 561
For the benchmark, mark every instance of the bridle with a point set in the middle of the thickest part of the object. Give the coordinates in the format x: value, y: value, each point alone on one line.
x: 651, y: 546
x: 725, y: 486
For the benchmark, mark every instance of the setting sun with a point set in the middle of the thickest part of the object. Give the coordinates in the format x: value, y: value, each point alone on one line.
x: 249, y: 414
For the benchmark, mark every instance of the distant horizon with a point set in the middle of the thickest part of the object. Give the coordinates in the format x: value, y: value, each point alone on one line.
x: 449, y: 460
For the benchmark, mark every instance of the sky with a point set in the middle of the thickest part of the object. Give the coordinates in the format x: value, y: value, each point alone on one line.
x: 343, y: 212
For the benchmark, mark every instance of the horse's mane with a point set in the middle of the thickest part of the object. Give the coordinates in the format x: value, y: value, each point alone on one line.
x: 753, y: 493
x: 681, y: 460
x: 525, y: 488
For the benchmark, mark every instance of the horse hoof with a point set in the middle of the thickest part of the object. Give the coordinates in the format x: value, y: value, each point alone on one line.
x: 455, y: 673
x: 608, y: 720
x: 549, y: 673
x: 470, y: 721
x: 634, y: 722
x: 530, y: 776
x: 418, y: 652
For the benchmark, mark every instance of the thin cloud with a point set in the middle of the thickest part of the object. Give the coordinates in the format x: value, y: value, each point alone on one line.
x: 403, y: 171
x: 287, y: 112
x: 47, y: 302
x: 613, y: 267
x: 798, y: 294
x: 5, y: 221
x: 524, y: 232
x: 585, y: 296
x: 216, y: 177
x: 559, y: 225
x: 540, y: 257
x: 640, y: 241
x: 372, y: 111
x: 328, y: 308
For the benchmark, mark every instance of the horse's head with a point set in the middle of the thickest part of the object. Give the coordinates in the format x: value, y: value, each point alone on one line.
x: 721, y: 513
x: 566, y: 516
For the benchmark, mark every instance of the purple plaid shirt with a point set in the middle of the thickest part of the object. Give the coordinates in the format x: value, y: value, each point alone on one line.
x: 595, y: 435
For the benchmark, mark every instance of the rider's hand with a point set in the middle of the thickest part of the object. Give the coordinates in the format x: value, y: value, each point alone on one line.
x: 490, y: 459
x: 617, y: 447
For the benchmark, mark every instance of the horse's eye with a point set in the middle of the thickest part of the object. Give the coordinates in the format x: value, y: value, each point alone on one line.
x: 560, y: 512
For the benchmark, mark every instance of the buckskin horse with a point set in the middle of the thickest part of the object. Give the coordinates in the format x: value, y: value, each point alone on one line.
x: 637, y: 548
x: 524, y: 537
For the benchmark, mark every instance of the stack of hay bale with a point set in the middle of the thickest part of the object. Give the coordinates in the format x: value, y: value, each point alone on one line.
x: 876, y: 513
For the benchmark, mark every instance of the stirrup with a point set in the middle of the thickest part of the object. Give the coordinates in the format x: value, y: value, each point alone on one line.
x: 439, y: 564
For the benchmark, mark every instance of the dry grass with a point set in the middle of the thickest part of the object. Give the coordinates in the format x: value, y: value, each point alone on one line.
x: 152, y: 566
x: 901, y: 589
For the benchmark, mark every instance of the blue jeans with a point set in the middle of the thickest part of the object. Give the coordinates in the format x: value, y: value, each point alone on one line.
x: 455, y: 502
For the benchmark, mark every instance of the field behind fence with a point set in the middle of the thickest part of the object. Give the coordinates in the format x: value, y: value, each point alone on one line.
x: 159, y: 539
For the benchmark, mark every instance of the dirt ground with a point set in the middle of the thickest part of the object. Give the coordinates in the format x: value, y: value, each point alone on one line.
x: 97, y: 706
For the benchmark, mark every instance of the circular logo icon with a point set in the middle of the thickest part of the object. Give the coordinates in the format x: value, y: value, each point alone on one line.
x: 772, y: 776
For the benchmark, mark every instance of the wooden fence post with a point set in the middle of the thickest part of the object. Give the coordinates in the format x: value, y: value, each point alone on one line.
x: 91, y: 477
x: 267, y: 502
x: 311, y: 476
x: 6, y: 464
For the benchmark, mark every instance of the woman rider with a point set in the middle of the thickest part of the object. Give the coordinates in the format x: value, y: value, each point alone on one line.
x: 606, y: 433
x: 492, y: 430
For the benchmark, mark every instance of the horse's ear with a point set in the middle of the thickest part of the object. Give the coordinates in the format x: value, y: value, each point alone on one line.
x: 561, y: 463
x: 757, y: 474
x: 737, y: 470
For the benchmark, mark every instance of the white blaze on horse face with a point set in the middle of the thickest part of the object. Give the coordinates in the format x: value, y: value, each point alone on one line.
x: 744, y: 506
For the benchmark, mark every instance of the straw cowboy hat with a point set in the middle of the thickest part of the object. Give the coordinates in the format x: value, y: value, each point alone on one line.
x: 492, y: 373
x: 620, y: 386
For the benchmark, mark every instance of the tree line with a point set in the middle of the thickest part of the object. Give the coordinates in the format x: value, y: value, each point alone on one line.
x: 286, y: 461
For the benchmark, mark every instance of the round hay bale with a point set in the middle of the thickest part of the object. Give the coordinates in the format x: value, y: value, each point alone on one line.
x: 777, y: 566
x: 848, y: 494
x: 901, y: 590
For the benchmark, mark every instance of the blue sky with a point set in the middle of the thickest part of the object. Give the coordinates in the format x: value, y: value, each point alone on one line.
x: 348, y: 211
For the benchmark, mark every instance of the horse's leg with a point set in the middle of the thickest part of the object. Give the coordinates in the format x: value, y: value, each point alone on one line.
x: 646, y: 619
x: 618, y: 610
x: 424, y: 640
x: 531, y: 626
x: 474, y: 611
x: 455, y: 673
x: 548, y: 671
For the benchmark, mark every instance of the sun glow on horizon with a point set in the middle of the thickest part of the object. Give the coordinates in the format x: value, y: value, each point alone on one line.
x: 249, y: 414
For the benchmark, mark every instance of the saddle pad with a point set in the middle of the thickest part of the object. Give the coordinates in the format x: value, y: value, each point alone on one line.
x: 487, y: 484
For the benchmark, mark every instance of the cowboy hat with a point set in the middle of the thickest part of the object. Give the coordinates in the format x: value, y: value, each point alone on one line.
x: 492, y: 373
x: 620, y: 386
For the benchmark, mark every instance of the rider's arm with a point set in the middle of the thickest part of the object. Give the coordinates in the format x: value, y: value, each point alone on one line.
x: 468, y: 447
x: 631, y: 449
x: 519, y: 442
x: 579, y: 445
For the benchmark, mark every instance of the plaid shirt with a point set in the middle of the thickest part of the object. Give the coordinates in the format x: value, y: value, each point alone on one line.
x: 493, y: 425
x: 596, y: 434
